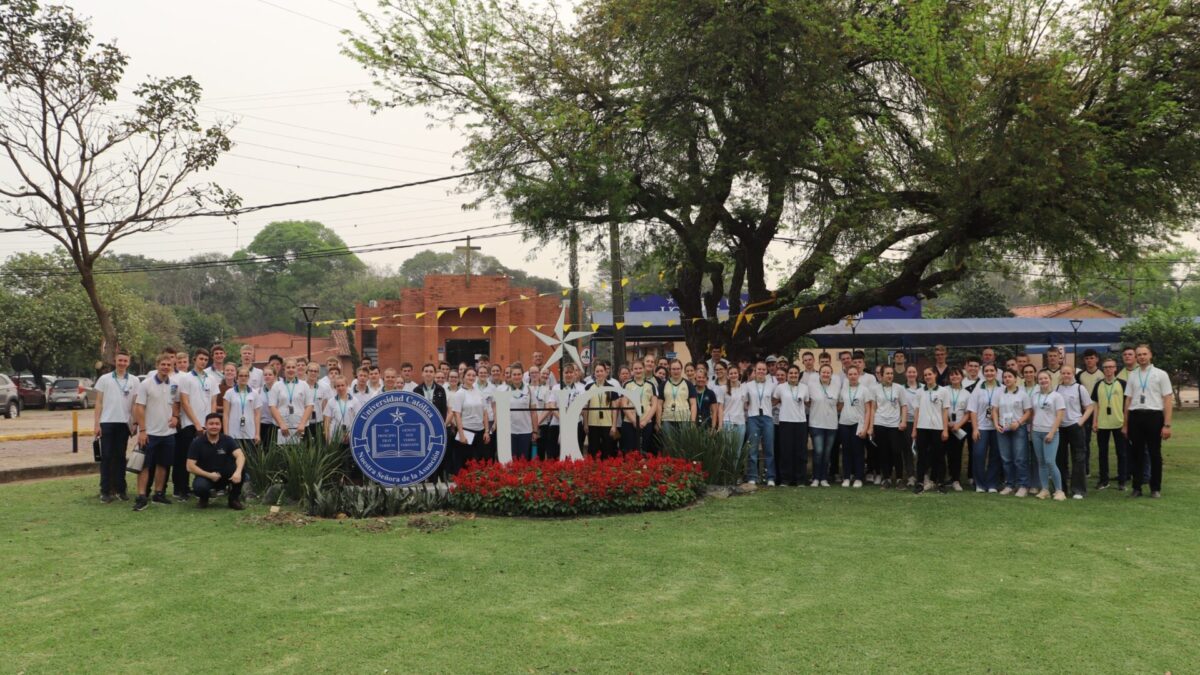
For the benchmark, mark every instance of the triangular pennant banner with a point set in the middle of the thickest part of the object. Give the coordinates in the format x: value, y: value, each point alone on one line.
x: 620, y: 325
x: 481, y: 307
x: 486, y: 329
x: 645, y: 324
x: 440, y: 312
x: 420, y: 314
x: 796, y: 313
x: 453, y: 329
x: 524, y: 297
x: 821, y: 307
x: 624, y: 282
x: 595, y: 327
x: 511, y: 329
x: 462, y: 310
x: 539, y: 326
x: 670, y: 322
x: 566, y: 327
x: 566, y: 292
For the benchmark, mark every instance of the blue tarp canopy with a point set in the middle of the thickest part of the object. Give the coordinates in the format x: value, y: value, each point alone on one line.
x: 902, y: 333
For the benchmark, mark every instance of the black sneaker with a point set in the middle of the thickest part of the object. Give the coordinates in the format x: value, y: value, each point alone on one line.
x: 123, y: 496
x: 236, y: 505
x: 1102, y: 485
x: 1135, y: 493
x: 202, y: 503
x: 942, y: 489
x: 160, y: 498
x: 140, y: 504
x: 106, y: 498
x: 918, y: 489
x: 182, y: 496
x: 1121, y: 487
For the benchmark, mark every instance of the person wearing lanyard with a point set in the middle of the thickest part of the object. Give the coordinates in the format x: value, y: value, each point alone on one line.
x: 887, y: 422
x: 793, y: 399
x: 195, y: 402
x: 852, y: 427
x: 931, y: 432
x: 822, y: 422
x: 639, y: 419
x: 267, y: 429
x: 291, y: 405
x: 679, y: 399
x: 1048, y: 410
x: 708, y: 400
x: 1029, y: 387
x: 1077, y: 416
x: 737, y: 397
x: 156, y: 413
x: 912, y: 395
x: 1109, y: 395
x: 985, y: 448
x: 601, y: 416
x: 1012, y: 411
x: 431, y: 390
x: 523, y: 414
x: 241, y: 415
x: 760, y: 425
x: 957, y: 398
x: 113, y: 425
x: 565, y: 395
x: 321, y: 396
x: 469, y: 411
x: 339, y: 412
x: 1149, y: 400
x: 1089, y: 376
x: 227, y: 381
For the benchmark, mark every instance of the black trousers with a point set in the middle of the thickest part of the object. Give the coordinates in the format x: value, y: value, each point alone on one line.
x: 1072, y: 457
x: 791, y: 453
x: 890, y: 442
x: 1119, y: 447
x: 1145, y: 436
x: 179, y: 474
x: 953, y: 447
x: 547, y: 443
x: 600, y: 442
x: 835, y: 453
x: 114, y: 441
x: 930, y: 455
x: 204, y: 488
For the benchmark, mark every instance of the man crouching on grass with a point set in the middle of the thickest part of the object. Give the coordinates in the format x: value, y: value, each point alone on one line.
x: 216, y: 460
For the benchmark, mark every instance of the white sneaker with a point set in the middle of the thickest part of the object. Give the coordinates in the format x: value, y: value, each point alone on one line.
x: 979, y: 489
x: 1077, y: 496
x: 957, y: 486
x: 824, y: 483
x: 751, y: 482
x: 870, y: 478
x: 1060, y: 496
x: 858, y: 483
x: 879, y: 480
x: 1022, y: 492
x: 846, y: 483
x: 815, y: 483
x: 911, y: 482
x: 770, y: 483
x: 992, y: 490
x: 1006, y: 491
x: 929, y: 485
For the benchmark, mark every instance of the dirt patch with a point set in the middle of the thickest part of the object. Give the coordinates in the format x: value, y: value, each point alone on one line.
x: 373, y: 525
x: 280, y: 519
x: 431, y: 523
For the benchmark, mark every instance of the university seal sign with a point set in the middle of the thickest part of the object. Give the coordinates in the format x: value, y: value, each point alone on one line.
x: 398, y: 438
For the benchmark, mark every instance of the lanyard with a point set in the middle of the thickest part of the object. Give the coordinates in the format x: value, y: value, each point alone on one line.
x: 1109, y: 389
x: 826, y: 391
x: 1043, y: 399
x: 203, y: 381
x: 674, y: 391
x: 795, y: 394
x: 342, y: 410
x: 889, y: 394
x: 290, y: 389
x: 990, y: 391
x: 1143, y: 373
x: 125, y: 388
x: 954, y: 399
x: 761, y: 395
x: 853, y: 394
x: 242, y: 395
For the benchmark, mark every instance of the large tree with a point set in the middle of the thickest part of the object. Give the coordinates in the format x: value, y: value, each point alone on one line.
x: 86, y: 173
x: 893, y: 146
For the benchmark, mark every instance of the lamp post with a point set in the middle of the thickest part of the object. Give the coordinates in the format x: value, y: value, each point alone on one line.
x: 1075, y: 324
x: 852, y: 321
x: 310, y: 313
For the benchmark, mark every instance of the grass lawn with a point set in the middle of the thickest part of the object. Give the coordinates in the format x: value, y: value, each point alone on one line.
x: 784, y: 580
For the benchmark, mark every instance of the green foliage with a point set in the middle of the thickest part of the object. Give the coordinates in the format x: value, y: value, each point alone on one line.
x: 1173, y: 334
x: 202, y: 330
x: 722, y: 454
x: 295, y: 472
x: 374, y: 501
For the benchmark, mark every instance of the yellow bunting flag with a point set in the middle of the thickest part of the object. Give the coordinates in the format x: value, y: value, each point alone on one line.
x: 566, y: 292
x: 796, y: 313
x: 670, y: 322
x: 440, y: 312
x: 624, y: 282
x: 482, y: 306
x: 595, y: 327
x: 420, y: 314
x: 603, y: 285
x: 524, y: 297
x: 566, y: 326
x: 397, y: 316
x: 620, y: 325
x: 645, y: 324
x: 511, y: 329
x: 462, y: 310
x: 502, y: 302
x: 348, y: 322
x: 375, y: 318
x: 661, y: 275
x: 486, y: 329
x: 539, y: 326
x: 453, y: 329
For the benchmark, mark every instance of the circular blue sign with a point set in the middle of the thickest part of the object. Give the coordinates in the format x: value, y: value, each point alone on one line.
x: 398, y: 438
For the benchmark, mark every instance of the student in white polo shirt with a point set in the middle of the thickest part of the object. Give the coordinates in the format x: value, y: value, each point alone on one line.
x: 327, y: 379
x: 1149, y: 403
x: 291, y: 404
x: 889, y: 421
x: 196, y: 393
x: 242, y: 410
x: 156, y: 413
x: 340, y: 412
x: 256, y: 374
x: 1076, y: 417
x: 793, y: 397
x: 113, y: 425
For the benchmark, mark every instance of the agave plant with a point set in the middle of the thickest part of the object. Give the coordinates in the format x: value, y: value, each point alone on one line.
x: 721, y: 453
x: 311, y: 463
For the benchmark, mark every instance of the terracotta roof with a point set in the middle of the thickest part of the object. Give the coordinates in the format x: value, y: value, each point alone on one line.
x: 1050, y: 310
x: 341, y: 341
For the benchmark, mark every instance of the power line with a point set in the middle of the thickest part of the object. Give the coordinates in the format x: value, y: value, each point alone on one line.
x: 301, y: 14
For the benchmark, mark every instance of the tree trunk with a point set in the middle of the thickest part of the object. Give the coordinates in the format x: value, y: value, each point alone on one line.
x: 108, y: 332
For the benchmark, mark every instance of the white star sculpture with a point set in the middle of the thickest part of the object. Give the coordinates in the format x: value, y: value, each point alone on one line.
x: 560, y: 341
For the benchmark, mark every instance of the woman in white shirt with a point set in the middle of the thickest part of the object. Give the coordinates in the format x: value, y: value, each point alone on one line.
x: 339, y: 412
x: 1012, y: 411
x: 889, y: 421
x: 985, y: 448
x: 792, y: 449
x: 930, y: 432
x: 912, y: 392
x: 1029, y: 387
x: 242, y: 410
x: 267, y: 429
x: 957, y: 398
x: 822, y: 423
x: 1048, y: 410
x: 852, y: 404
x: 737, y: 399
x: 470, y: 411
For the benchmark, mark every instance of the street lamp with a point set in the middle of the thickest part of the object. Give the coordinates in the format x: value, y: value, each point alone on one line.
x: 852, y: 321
x: 310, y: 313
x: 1075, y: 324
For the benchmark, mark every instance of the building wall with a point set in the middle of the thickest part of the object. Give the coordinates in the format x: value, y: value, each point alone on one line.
x: 419, y: 340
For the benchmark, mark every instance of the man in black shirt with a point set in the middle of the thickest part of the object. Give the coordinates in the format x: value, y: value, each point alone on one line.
x: 217, y: 461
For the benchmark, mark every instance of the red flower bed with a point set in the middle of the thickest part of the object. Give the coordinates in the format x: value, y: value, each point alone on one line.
x: 625, y: 484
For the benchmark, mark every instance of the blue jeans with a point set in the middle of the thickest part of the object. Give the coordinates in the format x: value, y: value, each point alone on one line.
x: 822, y: 445
x: 761, y: 429
x: 1047, y: 456
x: 1014, y: 453
x: 985, y: 459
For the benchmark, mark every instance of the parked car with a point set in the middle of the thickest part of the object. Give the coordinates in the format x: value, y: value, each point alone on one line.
x: 31, y: 395
x: 10, y: 397
x: 71, y: 392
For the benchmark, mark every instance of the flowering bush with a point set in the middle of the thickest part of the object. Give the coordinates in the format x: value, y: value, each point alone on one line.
x: 624, y: 484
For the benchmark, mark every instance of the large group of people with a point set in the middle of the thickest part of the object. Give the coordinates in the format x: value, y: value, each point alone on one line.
x: 1026, y: 430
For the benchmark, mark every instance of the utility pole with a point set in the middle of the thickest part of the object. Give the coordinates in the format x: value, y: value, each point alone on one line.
x: 468, y: 248
x: 1129, y: 300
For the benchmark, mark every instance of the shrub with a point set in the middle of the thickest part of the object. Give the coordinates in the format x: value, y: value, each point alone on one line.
x: 373, y: 501
x: 625, y: 484
x: 722, y: 454
x: 296, y: 469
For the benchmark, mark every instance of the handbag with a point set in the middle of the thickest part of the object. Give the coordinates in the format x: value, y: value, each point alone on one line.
x: 137, y: 460
x: 96, y: 448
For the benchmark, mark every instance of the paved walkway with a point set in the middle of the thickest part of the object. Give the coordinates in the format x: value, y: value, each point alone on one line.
x: 25, y: 460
